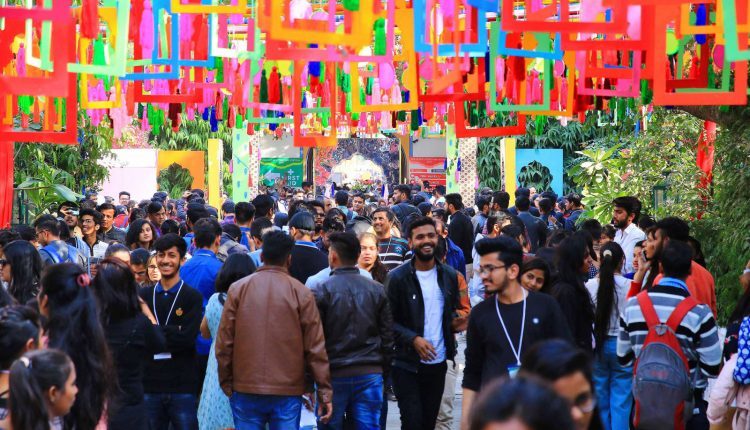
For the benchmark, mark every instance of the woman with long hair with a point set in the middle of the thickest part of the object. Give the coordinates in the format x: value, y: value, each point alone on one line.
x: 573, y: 258
x: 19, y: 333
x: 214, y: 411
x: 73, y: 326
x: 21, y: 269
x: 42, y: 390
x: 535, y: 275
x: 613, y: 382
x: 568, y: 369
x: 141, y: 234
x: 368, y: 257
x: 133, y: 338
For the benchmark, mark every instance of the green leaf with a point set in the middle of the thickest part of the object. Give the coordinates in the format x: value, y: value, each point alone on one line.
x: 66, y: 193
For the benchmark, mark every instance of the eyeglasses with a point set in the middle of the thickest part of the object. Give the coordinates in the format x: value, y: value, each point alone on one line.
x: 585, y: 403
x: 488, y: 269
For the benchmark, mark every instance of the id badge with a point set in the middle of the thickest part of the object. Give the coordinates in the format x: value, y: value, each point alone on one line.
x: 513, y: 371
x: 163, y: 356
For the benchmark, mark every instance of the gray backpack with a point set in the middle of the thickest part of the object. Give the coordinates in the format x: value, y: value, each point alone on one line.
x: 661, y: 384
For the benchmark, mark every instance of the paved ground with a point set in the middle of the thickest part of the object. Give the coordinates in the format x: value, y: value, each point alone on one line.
x: 394, y: 420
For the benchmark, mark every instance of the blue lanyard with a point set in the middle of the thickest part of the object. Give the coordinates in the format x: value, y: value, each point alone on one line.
x: 673, y: 282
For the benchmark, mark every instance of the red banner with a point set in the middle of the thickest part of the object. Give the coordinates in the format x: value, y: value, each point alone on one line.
x: 705, y: 156
x: 430, y: 169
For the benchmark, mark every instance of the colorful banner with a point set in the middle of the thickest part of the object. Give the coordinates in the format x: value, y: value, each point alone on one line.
x: 240, y: 165
x: 282, y: 169
x: 431, y: 169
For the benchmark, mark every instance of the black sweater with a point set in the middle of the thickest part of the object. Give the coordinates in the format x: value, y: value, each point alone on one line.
x: 576, y: 305
x: 133, y: 343
x: 488, y: 353
x: 307, y: 260
x: 178, y: 374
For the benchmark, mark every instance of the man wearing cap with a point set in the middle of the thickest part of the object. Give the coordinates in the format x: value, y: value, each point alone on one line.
x: 306, y: 258
x: 227, y: 212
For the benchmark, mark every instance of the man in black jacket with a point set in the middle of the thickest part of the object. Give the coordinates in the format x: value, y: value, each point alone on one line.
x: 460, y: 229
x: 357, y: 324
x: 423, y: 295
x: 307, y: 259
x: 536, y: 228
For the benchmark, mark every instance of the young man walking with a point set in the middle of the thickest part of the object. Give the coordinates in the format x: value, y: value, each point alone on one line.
x: 696, y: 332
x: 423, y: 295
x: 508, y: 323
x: 270, y: 334
x: 357, y: 324
x: 170, y: 378
x: 200, y: 273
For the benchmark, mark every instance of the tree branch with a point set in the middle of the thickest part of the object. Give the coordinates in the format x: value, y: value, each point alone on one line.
x: 723, y: 118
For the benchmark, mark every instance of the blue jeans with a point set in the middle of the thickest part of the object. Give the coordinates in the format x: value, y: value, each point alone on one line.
x: 254, y: 411
x: 178, y: 409
x: 362, y: 396
x: 613, y: 384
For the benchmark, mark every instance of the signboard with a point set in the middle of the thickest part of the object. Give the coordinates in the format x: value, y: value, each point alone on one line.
x: 430, y: 169
x: 277, y: 169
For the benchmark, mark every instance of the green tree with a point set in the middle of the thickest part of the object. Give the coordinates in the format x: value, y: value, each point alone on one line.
x: 50, y: 174
x: 665, y: 154
x: 193, y: 135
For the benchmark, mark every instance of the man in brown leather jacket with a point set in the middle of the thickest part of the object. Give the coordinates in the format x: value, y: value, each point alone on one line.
x: 270, y: 333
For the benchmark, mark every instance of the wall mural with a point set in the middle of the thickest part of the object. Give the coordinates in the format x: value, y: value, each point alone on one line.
x: 381, y: 153
x: 540, y: 168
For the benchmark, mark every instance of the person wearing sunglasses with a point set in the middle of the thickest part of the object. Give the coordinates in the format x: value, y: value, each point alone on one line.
x: 569, y: 370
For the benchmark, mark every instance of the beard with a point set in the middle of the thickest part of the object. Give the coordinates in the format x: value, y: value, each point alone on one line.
x: 502, y: 287
x: 422, y: 256
x: 620, y: 224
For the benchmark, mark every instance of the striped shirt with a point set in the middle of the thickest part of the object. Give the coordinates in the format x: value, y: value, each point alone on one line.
x: 697, y: 333
x: 392, y: 252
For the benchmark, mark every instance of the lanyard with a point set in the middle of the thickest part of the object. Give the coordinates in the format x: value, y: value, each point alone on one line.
x: 156, y: 315
x: 507, y: 336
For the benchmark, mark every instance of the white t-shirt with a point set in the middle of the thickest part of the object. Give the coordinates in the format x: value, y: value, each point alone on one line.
x: 622, y: 286
x: 433, y: 312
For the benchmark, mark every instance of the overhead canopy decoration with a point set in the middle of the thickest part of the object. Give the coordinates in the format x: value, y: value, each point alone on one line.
x: 320, y: 69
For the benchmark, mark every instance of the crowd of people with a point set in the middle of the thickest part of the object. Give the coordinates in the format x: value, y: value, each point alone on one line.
x: 172, y: 314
